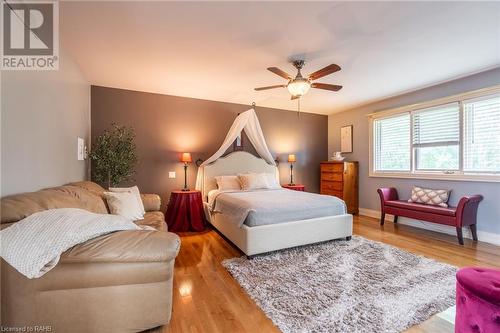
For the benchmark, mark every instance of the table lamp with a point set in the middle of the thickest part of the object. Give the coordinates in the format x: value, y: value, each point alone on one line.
x: 291, y: 160
x: 186, y: 158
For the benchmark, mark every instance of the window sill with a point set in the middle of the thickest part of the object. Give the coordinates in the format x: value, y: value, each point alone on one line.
x: 493, y: 178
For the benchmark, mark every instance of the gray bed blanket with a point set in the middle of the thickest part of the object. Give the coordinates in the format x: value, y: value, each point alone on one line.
x: 261, y: 207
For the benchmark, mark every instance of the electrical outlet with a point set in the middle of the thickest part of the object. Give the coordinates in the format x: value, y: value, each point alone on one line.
x: 171, y: 174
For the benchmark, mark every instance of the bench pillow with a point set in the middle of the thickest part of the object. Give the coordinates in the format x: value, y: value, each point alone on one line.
x: 429, y: 196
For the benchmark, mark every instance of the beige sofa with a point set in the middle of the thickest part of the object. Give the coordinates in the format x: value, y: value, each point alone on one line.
x: 120, y: 282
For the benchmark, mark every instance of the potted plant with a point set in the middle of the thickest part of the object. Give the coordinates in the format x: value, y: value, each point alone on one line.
x: 114, y: 156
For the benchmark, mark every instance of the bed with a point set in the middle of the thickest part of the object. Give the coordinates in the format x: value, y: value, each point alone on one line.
x: 262, y: 221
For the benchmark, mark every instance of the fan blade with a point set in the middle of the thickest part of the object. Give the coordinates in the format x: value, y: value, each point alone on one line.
x: 332, y: 87
x: 324, y: 71
x: 279, y: 72
x: 271, y: 87
x: 294, y: 97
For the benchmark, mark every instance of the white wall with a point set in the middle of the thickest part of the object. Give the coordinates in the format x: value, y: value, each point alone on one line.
x: 489, y: 209
x: 42, y: 114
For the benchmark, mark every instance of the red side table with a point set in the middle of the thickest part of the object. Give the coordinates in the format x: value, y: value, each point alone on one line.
x: 185, y: 211
x: 295, y: 187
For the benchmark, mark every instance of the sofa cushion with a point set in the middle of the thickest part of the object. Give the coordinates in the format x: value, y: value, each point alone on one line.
x: 126, y: 246
x: 89, y: 186
x: 153, y: 219
x: 450, y: 211
x: 151, y: 202
x: 17, y: 207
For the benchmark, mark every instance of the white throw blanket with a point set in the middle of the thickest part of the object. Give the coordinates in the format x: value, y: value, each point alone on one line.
x: 34, y: 245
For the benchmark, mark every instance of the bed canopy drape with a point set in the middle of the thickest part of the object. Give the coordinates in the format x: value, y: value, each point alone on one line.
x: 248, y: 122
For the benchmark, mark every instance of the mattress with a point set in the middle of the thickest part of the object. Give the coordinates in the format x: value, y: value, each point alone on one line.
x: 263, y: 207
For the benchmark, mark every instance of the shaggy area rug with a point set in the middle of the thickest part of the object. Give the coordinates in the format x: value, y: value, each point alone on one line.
x: 346, y: 286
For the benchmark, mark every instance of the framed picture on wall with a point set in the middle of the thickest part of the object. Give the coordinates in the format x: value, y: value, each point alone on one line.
x: 346, y: 139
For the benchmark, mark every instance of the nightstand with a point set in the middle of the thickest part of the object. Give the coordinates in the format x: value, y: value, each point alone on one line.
x: 185, y: 211
x: 295, y: 187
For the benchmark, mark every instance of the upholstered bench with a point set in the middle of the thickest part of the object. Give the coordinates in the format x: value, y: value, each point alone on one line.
x: 462, y: 215
x: 478, y: 300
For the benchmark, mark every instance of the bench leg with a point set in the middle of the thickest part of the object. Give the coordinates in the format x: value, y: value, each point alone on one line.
x: 473, y: 230
x: 382, y: 219
x: 459, y: 236
x: 395, y: 219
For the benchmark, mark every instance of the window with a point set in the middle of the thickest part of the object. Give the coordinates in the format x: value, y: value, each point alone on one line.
x: 456, y: 138
x: 482, y: 135
x: 392, y: 143
x: 436, y: 137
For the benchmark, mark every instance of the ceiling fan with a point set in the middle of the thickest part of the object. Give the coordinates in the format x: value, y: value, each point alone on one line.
x: 300, y: 85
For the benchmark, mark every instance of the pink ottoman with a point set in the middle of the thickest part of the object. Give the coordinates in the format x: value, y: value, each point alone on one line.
x: 478, y: 300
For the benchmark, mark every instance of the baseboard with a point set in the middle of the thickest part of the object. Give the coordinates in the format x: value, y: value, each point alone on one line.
x: 483, y: 236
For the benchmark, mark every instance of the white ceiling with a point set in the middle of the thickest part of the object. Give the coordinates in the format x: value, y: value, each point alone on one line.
x: 220, y: 51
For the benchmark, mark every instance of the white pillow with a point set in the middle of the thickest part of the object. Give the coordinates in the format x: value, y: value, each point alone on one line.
x: 272, y: 182
x: 124, y: 204
x: 253, y: 181
x: 135, y: 191
x: 225, y: 183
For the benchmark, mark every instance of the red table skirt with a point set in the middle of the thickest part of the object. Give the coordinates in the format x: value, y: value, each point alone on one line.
x: 185, y: 212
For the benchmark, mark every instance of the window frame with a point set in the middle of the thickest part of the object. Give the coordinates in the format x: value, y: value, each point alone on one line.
x: 459, y: 174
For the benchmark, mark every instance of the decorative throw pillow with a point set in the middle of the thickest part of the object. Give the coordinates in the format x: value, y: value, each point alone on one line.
x: 124, y: 204
x: 135, y: 191
x: 253, y: 181
x: 430, y: 196
x: 272, y: 182
x: 225, y: 183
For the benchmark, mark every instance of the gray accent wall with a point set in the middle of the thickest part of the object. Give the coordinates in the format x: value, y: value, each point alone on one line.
x: 43, y: 113
x: 489, y: 209
x: 166, y: 126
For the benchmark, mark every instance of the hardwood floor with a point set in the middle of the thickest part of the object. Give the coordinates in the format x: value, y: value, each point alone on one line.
x: 207, y: 299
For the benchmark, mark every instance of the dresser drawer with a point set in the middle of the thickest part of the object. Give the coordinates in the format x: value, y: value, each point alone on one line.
x: 336, y: 177
x: 335, y: 186
x: 337, y: 194
x: 337, y: 167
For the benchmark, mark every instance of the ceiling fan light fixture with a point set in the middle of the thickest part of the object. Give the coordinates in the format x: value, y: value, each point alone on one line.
x: 299, y: 87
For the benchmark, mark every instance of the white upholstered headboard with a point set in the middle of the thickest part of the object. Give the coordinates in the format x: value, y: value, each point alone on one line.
x: 232, y: 164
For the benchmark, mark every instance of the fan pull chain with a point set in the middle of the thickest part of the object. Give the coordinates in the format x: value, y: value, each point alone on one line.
x: 298, y: 107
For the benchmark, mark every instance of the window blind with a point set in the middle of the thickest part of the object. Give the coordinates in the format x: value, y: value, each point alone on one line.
x: 437, y: 126
x: 392, y: 143
x: 482, y: 134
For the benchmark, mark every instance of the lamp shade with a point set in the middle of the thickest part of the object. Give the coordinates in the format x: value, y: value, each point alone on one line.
x: 291, y: 158
x: 186, y: 158
x: 299, y: 87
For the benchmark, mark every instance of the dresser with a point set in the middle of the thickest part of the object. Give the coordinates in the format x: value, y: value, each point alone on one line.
x: 341, y: 180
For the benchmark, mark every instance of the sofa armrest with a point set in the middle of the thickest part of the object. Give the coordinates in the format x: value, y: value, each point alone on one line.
x: 126, y: 246
x: 388, y: 193
x: 152, y: 202
x: 467, y: 210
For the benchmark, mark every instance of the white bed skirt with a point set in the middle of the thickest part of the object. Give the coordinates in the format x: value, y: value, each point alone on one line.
x: 272, y: 237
